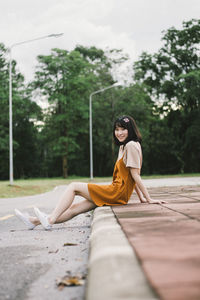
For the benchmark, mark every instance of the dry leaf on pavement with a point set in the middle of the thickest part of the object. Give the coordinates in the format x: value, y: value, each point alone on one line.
x: 53, y: 251
x: 70, y: 244
x: 69, y: 281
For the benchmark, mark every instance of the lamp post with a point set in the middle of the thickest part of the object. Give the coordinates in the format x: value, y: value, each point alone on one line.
x: 90, y: 123
x: 10, y: 99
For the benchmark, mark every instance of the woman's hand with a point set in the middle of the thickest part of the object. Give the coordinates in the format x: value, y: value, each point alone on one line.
x: 151, y: 201
x: 141, y: 190
x: 143, y: 199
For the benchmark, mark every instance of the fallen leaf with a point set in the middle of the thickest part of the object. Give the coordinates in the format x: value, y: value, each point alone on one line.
x: 69, y: 244
x: 53, y: 251
x: 69, y: 281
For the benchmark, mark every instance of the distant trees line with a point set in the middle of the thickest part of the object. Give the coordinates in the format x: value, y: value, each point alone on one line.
x: 163, y: 98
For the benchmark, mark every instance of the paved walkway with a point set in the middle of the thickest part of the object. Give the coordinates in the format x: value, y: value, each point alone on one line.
x: 166, y: 239
x: 165, y: 243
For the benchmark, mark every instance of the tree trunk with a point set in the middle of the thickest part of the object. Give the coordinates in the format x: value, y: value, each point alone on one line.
x: 65, y: 165
x: 64, y: 160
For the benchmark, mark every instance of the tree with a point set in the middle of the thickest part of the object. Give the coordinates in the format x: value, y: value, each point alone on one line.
x: 24, y: 112
x: 172, y: 79
x: 4, y: 128
x: 66, y: 79
x: 173, y: 74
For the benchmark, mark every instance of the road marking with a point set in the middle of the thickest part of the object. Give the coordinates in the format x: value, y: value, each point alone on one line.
x: 6, y: 217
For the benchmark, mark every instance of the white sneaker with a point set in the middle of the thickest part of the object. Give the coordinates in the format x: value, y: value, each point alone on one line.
x: 43, y: 219
x: 25, y: 219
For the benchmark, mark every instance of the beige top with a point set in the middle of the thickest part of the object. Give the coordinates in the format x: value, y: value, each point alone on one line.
x: 132, y: 154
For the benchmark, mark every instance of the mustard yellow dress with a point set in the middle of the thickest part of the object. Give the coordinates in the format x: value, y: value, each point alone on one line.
x: 122, y: 186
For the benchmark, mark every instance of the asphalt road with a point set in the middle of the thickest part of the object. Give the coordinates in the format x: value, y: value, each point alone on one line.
x: 32, y: 261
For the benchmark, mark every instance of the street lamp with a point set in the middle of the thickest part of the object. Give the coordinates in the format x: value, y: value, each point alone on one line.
x: 10, y: 98
x: 90, y: 119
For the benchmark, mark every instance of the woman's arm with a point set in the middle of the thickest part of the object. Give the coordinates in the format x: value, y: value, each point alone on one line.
x: 140, y: 195
x: 142, y: 188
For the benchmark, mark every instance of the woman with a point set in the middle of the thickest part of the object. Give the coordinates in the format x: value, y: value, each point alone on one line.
x: 126, y: 178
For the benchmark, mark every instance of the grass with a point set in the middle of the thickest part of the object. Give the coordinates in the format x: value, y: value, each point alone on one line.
x: 27, y: 187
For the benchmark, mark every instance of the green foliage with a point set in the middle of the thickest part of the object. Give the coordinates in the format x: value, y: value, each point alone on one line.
x: 172, y: 78
x: 173, y: 74
x: 24, y: 132
x: 67, y: 78
x: 163, y: 99
x: 4, y: 124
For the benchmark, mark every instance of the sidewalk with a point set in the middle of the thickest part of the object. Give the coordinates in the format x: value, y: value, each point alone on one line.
x: 160, y: 256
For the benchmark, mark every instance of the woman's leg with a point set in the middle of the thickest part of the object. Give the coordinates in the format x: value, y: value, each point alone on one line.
x: 65, y: 210
x: 71, y: 212
x: 75, y: 188
x: 76, y: 209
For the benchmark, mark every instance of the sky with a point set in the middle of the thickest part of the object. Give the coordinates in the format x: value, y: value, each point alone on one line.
x: 131, y: 25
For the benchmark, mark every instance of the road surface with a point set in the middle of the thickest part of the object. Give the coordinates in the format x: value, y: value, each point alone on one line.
x: 32, y: 261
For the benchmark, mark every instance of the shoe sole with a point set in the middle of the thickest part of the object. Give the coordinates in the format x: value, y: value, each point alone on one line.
x: 24, y: 219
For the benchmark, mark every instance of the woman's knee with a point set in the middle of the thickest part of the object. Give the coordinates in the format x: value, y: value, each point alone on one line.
x: 73, y: 186
x: 78, y: 187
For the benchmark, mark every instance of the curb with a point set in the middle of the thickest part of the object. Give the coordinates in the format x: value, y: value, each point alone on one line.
x: 114, y: 270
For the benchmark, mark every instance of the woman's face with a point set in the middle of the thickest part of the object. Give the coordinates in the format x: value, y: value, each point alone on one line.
x: 121, y: 134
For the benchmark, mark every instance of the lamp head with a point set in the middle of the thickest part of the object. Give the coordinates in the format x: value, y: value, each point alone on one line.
x: 117, y: 84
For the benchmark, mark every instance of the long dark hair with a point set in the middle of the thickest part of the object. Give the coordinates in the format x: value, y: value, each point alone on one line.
x: 128, y: 123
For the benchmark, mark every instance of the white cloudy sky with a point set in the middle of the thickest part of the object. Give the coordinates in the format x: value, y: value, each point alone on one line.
x: 132, y: 25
